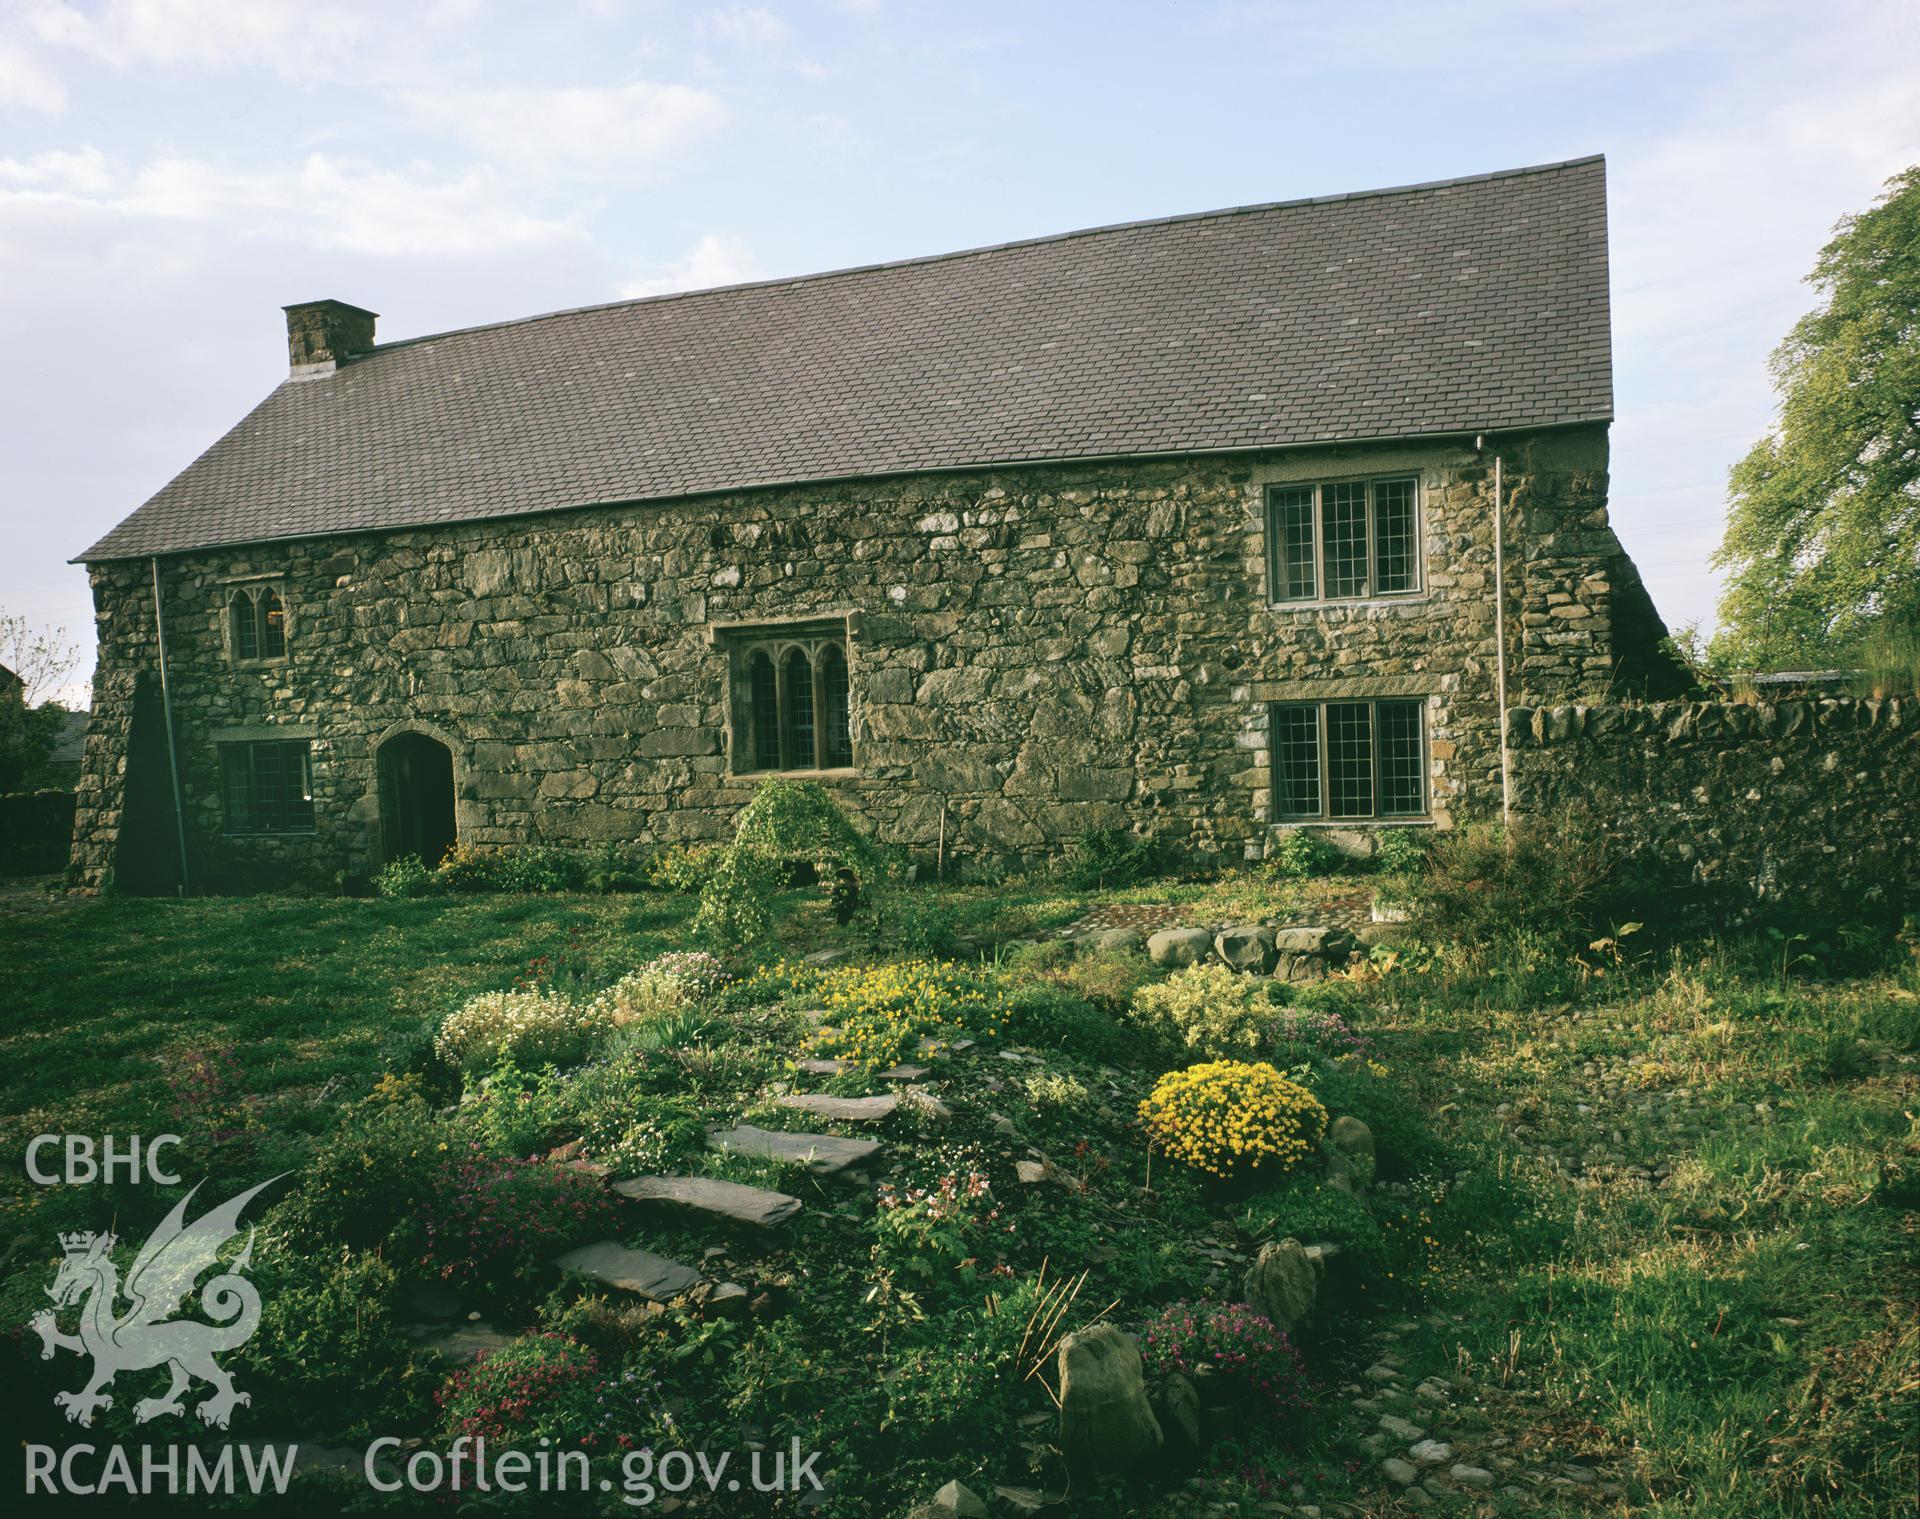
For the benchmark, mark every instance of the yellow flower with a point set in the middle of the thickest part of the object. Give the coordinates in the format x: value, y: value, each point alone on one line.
x: 1223, y: 1116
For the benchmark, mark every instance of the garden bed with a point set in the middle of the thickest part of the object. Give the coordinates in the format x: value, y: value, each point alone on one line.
x: 1575, y: 1271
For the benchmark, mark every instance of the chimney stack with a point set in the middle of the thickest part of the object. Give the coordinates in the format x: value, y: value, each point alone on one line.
x: 321, y: 335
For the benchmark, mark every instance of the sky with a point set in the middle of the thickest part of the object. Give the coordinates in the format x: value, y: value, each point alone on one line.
x: 172, y: 172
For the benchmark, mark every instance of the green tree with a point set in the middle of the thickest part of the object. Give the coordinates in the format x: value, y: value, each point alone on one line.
x: 32, y: 664
x: 1822, y: 548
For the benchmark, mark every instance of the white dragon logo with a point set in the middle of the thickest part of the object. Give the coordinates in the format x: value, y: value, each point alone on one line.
x: 160, y: 1279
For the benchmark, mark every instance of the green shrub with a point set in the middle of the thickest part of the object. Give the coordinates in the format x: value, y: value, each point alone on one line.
x: 328, y: 1343
x: 1207, y: 1010
x: 539, y: 1388
x: 1400, y: 852
x: 682, y: 867
x: 624, y: 1121
x: 1298, y: 853
x: 669, y: 984
x: 1313, y: 1213
x: 1111, y: 858
x: 516, y: 868
x: 367, y: 1176
x: 519, y: 1112
x: 405, y: 877
x: 1563, y: 880
x: 409, y: 1051
x: 788, y: 823
x: 1404, y: 1145
x: 909, y: 921
x: 736, y: 903
x: 791, y: 822
x: 1054, y: 1017
x: 532, y: 1028
x: 612, y: 868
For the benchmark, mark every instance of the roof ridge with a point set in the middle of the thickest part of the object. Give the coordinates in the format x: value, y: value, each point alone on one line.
x: 984, y: 248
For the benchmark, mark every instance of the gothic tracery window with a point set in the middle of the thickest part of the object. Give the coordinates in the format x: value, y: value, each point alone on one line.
x: 256, y: 623
x: 792, y: 700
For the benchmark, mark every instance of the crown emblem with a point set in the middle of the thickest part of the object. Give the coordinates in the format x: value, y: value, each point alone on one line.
x: 83, y: 1242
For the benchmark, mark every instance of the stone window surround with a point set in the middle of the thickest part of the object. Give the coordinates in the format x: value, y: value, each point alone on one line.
x: 1324, y: 779
x: 251, y: 585
x: 226, y: 744
x: 1314, y: 467
x: 1431, y: 691
x: 739, y: 638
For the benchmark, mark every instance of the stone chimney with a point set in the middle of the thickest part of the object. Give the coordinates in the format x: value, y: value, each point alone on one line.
x: 321, y: 335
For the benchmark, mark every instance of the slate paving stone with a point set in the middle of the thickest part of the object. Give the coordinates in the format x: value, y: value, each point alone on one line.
x: 640, y: 1272
x: 823, y: 1154
x: 759, y: 1207
x: 460, y: 1345
x: 843, y: 1109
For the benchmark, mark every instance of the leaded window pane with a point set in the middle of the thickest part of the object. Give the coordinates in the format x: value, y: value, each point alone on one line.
x: 1349, y: 760
x: 766, y: 714
x: 1296, y: 761
x: 1395, y: 558
x: 799, y: 695
x: 839, y: 735
x: 266, y: 787
x: 1403, y: 791
x: 1343, y: 521
x: 1293, y: 543
x: 246, y: 629
x: 273, y: 626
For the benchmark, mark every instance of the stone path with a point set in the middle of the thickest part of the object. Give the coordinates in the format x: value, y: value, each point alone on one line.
x: 459, y: 1345
x: 842, y: 1109
x: 823, y: 1154
x: 1350, y: 910
x: 1148, y: 917
x: 709, y: 1197
x: 1448, y: 1439
x: 640, y: 1272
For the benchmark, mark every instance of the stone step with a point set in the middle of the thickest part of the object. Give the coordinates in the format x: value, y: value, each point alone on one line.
x: 754, y: 1206
x: 844, y: 1109
x: 823, y: 1154
x: 458, y: 1345
x: 640, y: 1272
x: 902, y: 1072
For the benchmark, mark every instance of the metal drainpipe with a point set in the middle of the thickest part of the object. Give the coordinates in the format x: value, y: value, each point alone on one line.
x: 166, y: 709
x: 1500, y: 647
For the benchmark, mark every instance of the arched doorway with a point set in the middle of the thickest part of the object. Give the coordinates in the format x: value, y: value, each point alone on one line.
x: 416, y: 797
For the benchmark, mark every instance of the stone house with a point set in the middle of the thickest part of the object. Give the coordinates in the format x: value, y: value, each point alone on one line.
x: 1186, y: 526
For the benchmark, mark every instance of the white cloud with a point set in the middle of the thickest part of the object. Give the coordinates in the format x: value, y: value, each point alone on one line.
x: 288, y: 35
x: 714, y: 260
x: 26, y: 84
x: 746, y: 26
x: 326, y: 202
x: 56, y: 173
x: 636, y: 127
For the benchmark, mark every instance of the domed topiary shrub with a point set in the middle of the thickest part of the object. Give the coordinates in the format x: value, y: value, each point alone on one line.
x: 1232, y: 1119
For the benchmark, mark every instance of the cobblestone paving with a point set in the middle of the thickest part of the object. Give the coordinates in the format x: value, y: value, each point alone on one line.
x: 1348, y: 910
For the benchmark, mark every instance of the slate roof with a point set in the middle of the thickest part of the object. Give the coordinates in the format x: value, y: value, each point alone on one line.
x: 1468, y: 304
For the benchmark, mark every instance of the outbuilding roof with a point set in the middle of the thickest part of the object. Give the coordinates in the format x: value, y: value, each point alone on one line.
x: 1464, y: 305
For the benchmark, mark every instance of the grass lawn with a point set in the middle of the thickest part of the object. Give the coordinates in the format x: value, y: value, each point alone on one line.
x: 1644, y: 1238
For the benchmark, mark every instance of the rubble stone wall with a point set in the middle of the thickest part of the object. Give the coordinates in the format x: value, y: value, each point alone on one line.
x: 1034, y: 652
x: 1793, y: 802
